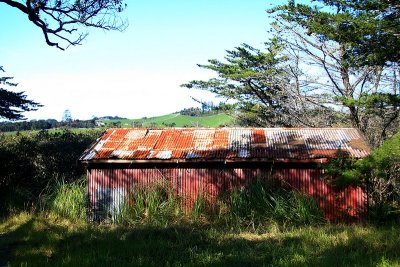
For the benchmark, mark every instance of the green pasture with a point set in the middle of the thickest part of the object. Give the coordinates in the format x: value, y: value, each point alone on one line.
x: 175, y: 120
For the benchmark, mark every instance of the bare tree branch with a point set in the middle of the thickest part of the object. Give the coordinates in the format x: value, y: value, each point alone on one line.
x: 61, y: 20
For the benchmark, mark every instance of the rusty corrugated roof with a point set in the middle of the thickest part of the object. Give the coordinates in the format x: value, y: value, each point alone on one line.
x: 226, y: 143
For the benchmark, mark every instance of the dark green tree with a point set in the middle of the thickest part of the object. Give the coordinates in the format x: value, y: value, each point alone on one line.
x: 370, y: 29
x: 60, y: 20
x: 325, y: 37
x: 13, y: 104
x: 304, y: 77
x: 266, y: 86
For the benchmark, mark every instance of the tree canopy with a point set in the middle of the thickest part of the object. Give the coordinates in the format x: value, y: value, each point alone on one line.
x: 370, y: 29
x: 311, y: 75
x: 266, y: 85
x: 61, y: 20
x: 360, y: 75
x: 12, y: 104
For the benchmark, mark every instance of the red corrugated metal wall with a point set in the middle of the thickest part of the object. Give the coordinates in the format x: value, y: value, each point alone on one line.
x: 107, y: 188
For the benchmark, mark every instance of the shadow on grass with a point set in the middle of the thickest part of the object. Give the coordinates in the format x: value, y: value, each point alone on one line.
x: 39, y: 242
x: 9, y: 241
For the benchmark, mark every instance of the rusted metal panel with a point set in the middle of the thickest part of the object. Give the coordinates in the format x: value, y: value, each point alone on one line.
x: 109, y: 188
x: 226, y: 143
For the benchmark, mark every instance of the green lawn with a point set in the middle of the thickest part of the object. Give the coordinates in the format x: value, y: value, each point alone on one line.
x: 177, y: 120
x: 27, y: 240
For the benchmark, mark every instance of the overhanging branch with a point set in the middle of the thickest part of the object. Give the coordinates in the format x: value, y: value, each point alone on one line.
x: 61, y: 20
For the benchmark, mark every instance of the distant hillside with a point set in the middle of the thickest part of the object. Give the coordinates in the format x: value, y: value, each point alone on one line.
x: 174, y: 120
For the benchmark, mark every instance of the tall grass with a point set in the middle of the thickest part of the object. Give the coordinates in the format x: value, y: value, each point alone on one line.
x: 265, y: 203
x: 202, y: 208
x: 258, y: 206
x: 67, y: 199
x: 155, y: 205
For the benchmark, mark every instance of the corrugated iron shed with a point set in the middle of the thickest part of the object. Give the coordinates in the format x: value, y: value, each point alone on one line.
x: 213, y: 161
x: 238, y: 144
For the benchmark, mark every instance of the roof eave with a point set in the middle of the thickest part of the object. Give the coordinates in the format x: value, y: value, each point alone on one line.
x: 225, y: 161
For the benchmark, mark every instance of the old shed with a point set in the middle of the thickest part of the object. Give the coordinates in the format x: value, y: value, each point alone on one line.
x: 211, y: 161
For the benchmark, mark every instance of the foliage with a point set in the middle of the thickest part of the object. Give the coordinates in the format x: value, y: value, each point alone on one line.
x: 45, y: 125
x: 12, y: 104
x: 191, y: 112
x: 376, y: 107
x: 40, y: 240
x: 325, y: 37
x: 264, y: 85
x: 305, y: 74
x: 382, y: 173
x: 369, y: 29
x: 339, y: 171
x: 109, y: 118
x: 379, y: 173
x: 208, y: 109
x: 32, y: 162
x: 61, y: 20
x: 202, y: 208
x: 347, y: 84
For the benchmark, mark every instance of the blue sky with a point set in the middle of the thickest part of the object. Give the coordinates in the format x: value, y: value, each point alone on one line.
x: 134, y: 73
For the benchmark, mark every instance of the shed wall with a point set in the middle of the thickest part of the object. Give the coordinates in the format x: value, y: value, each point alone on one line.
x: 108, y: 187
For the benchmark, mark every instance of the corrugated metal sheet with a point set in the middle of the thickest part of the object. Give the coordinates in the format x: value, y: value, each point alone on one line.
x: 110, y: 188
x: 226, y: 143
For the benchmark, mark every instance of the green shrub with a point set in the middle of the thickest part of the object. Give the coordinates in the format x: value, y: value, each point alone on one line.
x: 340, y: 171
x: 378, y: 173
x: 31, y: 161
x: 381, y: 172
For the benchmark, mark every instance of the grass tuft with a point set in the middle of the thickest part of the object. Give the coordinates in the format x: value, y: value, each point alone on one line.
x: 154, y: 205
x: 67, y: 200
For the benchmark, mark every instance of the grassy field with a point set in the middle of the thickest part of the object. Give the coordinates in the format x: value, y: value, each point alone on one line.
x: 170, y: 120
x: 176, y: 120
x: 45, y: 240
